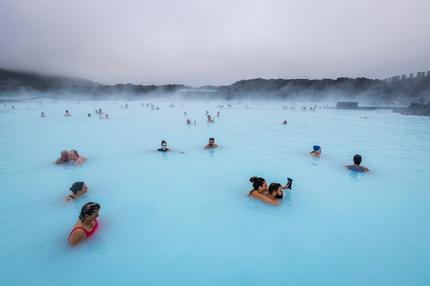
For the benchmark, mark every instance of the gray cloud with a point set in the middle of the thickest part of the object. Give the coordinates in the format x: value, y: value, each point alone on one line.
x: 214, y: 42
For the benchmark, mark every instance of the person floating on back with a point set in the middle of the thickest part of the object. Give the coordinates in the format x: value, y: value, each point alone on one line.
x: 316, y: 152
x: 211, y: 144
x: 356, y: 166
x: 64, y: 158
x: 77, y: 189
x: 86, y: 225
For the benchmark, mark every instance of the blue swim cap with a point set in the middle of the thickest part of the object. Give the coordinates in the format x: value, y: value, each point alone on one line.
x: 316, y: 148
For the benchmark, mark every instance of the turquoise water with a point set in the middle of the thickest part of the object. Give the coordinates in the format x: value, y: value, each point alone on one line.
x: 185, y: 219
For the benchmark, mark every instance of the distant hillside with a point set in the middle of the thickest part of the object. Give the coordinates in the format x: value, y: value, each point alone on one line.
x: 397, y: 89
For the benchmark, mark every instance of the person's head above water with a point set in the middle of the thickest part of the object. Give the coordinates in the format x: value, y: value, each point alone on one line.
x: 163, y: 146
x: 64, y: 156
x: 258, y: 184
x: 316, y: 150
x: 275, y: 190
x: 211, y: 141
x: 78, y: 188
x: 89, y: 212
x: 73, y: 154
x: 357, y: 159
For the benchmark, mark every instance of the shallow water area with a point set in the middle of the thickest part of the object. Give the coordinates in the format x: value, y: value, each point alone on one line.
x: 185, y: 218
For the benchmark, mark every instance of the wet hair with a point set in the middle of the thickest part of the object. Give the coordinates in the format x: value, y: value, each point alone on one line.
x: 163, y: 142
x: 76, y: 187
x: 88, y: 209
x: 76, y: 152
x: 357, y: 159
x: 256, y: 182
x: 212, y: 139
x: 273, y: 187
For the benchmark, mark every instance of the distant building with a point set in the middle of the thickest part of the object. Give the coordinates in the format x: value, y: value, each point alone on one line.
x: 346, y: 105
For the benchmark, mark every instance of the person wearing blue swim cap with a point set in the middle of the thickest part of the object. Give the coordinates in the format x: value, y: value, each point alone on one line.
x: 316, y: 152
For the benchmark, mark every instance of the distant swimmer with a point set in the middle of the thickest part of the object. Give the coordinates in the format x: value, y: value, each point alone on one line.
x: 86, y: 225
x: 42, y: 114
x: 76, y: 158
x: 284, y: 122
x: 259, y: 188
x: 77, y: 189
x: 316, y: 152
x: 164, y: 147
x: 211, y: 144
x: 276, y: 190
x: 185, y: 113
x: 67, y: 114
x: 218, y: 114
x: 188, y: 121
x: 356, y: 166
x: 100, y: 111
x: 210, y: 119
x: 89, y: 114
x: 64, y: 158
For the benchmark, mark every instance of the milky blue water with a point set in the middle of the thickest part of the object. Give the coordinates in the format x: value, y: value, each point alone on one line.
x: 186, y: 219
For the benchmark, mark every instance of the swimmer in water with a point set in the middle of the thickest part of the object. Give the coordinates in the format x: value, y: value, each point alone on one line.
x: 86, y: 225
x: 67, y: 114
x: 259, y: 189
x: 64, y: 158
x: 284, y: 122
x: 164, y: 148
x: 316, y: 152
x: 211, y: 144
x: 276, y: 190
x: 76, y: 158
x: 188, y: 121
x: 356, y: 166
x: 42, y: 114
x: 77, y: 189
x: 89, y: 114
x: 210, y: 120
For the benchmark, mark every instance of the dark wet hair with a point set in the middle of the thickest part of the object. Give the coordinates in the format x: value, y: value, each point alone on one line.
x: 256, y: 182
x: 211, y: 139
x: 273, y: 187
x: 76, y: 152
x: 77, y: 187
x: 88, y: 209
x: 357, y: 159
x: 163, y: 142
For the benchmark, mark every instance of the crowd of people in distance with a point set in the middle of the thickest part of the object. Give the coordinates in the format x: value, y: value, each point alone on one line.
x: 87, y: 223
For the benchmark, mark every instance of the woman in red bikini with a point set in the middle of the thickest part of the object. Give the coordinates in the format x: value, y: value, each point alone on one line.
x: 86, y: 225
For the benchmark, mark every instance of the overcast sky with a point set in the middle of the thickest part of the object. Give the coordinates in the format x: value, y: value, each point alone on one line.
x: 215, y: 42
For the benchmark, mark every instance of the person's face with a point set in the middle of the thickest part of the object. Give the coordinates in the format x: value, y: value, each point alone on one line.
x: 164, y: 146
x: 64, y: 156
x: 72, y: 155
x: 263, y: 187
x: 84, y: 189
x: 279, y: 193
x: 211, y: 142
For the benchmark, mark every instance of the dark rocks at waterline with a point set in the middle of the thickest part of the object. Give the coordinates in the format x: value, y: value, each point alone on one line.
x: 416, y: 109
x: 383, y: 92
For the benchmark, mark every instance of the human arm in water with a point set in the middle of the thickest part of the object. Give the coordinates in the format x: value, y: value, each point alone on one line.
x: 263, y: 198
x: 76, y: 237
